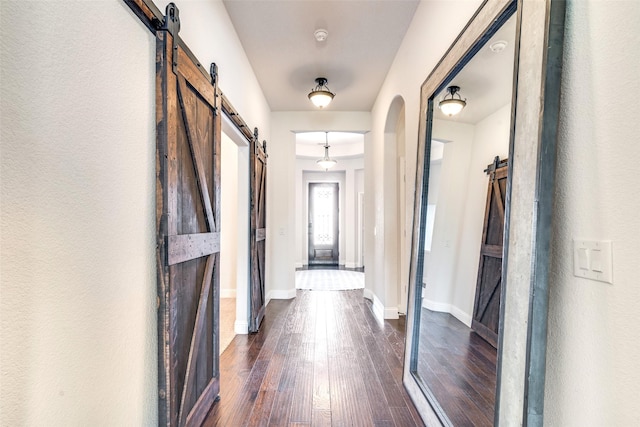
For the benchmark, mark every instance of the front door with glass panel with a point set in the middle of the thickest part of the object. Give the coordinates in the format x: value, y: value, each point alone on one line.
x: 323, y: 223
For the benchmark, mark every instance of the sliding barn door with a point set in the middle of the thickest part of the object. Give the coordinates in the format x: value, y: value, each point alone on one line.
x: 258, y: 177
x: 486, y: 311
x: 188, y: 232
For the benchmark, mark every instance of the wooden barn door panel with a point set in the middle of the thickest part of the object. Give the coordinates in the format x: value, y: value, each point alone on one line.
x: 188, y: 232
x: 486, y: 311
x: 258, y: 191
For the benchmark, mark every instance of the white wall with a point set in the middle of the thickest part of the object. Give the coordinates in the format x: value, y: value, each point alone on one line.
x: 490, y: 139
x: 234, y: 271
x: 281, y: 187
x: 229, y: 218
x: 344, y: 173
x: 592, y: 378
x: 593, y: 350
x: 78, y: 286
x: 423, y: 46
x: 440, y: 263
x: 207, y: 30
x: 451, y: 266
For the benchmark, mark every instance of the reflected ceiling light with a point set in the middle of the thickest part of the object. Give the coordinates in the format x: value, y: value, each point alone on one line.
x: 320, y: 95
x: 452, y: 106
x: 326, y: 162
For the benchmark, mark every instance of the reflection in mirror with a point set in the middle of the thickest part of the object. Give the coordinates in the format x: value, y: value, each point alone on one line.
x: 460, y: 300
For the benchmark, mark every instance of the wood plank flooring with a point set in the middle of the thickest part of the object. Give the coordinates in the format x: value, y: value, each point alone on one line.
x: 459, y: 368
x: 320, y: 359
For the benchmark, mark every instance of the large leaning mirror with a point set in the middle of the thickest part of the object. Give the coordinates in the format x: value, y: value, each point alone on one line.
x: 477, y: 309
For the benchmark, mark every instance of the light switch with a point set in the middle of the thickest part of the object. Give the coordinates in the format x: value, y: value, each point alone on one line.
x: 596, y: 260
x: 593, y: 260
x: 583, y: 259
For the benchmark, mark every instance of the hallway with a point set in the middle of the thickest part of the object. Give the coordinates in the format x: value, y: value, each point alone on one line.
x: 320, y: 359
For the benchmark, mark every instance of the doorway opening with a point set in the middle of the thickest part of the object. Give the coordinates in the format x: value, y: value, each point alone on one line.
x: 323, y: 224
x: 234, y: 237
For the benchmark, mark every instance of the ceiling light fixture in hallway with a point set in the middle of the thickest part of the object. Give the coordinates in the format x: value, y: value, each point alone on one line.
x: 452, y: 106
x: 320, y: 95
x: 326, y: 162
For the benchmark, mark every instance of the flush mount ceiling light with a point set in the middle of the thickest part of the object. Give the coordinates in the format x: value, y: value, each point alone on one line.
x: 452, y: 106
x: 326, y: 162
x: 320, y: 95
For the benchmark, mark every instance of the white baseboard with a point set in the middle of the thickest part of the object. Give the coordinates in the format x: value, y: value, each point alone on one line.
x: 241, y: 328
x: 227, y: 293
x: 380, y: 311
x: 299, y: 265
x: 350, y: 265
x: 281, y: 294
x: 461, y: 315
x: 447, y: 308
x: 436, y: 306
x: 378, y: 308
x: 391, y: 313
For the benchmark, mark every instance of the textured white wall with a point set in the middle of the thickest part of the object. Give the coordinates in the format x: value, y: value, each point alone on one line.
x: 229, y: 218
x: 490, y: 139
x: 440, y: 263
x: 78, y: 320
x: 423, y: 46
x: 206, y: 28
x: 593, y: 378
x: 592, y: 359
x: 451, y: 267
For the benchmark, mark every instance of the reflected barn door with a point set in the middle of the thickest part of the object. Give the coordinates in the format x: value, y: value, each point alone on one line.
x: 486, y: 310
x: 258, y: 190
x: 188, y: 231
x: 323, y: 223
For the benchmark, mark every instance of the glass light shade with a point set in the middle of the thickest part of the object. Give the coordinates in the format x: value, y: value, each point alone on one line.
x: 321, y: 98
x: 451, y: 107
x: 326, y: 163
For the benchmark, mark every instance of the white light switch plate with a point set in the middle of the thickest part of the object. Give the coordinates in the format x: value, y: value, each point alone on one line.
x: 593, y: 260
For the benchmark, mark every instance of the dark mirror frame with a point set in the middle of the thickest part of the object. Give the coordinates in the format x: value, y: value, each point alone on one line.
x: 530, y: 187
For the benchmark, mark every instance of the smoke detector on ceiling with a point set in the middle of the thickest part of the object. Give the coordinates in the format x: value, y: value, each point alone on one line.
x: 321, y: 34
x: 498, y: 46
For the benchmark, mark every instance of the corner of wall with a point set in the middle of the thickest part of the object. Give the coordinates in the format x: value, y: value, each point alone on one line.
x: 280, y: 294
x: 241, y: 328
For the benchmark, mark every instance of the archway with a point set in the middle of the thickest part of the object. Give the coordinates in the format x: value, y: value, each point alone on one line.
x: 395, y: 223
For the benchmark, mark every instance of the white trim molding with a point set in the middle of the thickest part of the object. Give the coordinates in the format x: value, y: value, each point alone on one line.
x: 241, y: 328
x: 461, y: 315
x: 281, y: 294
x: 227, y: 293
x: 442, y: 307
x: 391, y: 313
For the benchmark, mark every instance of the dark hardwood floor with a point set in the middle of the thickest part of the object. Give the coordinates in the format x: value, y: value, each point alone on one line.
x: 459, y: 368
x: 319, y: 360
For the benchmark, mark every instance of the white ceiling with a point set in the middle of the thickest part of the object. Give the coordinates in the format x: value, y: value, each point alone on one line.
x: 486, y: 81
x: 364, y: 36
x: 342, y: 144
